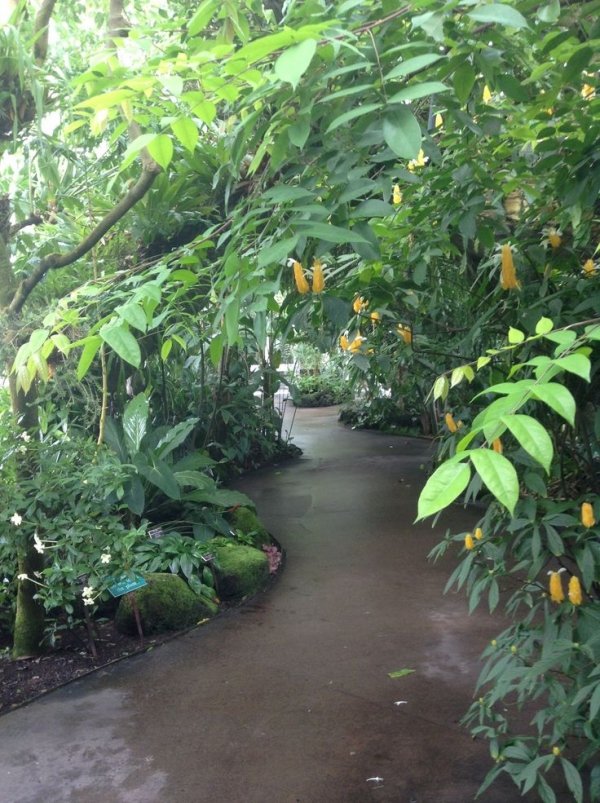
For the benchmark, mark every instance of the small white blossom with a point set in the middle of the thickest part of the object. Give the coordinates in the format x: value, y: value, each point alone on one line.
x: 16, y: 519
x: 105, y: 557
x: 88, y: 591
x: 37, y: 544
x: 22, y: 577
x: 25, y: 436
x: 6, y: 581
x: 88, y: 601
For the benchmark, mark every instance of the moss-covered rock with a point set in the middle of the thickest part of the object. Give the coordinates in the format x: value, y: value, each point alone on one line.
x: 242, y: 570
x: 246, y: 521
x: 166, y: 603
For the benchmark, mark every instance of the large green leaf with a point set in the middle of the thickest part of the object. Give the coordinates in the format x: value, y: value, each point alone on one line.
x: 175, y: 436
x: 90, y: 349
x: 413, y: 65
x: 186, y: 132
x: 499, y: 13
x: 402, y: 132
x: 222, y: 497
x: 532, y: 436
x: 359, y: 111
x: 294, y: 62
x: 121, y: 341
x: 499, y: 476
x: 558, y: 398
x: 421, y: 90
x: 161, y: 150
x: 160, y: 474
x: 135, y: 422
x: 331, y: 234
x: 442, y: 488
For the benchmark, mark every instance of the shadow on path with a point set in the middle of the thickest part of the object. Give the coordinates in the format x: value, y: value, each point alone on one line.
x: 288, y: 700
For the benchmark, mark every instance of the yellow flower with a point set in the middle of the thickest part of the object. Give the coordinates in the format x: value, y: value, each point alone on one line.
x: 396, y: 195
x: 469, y: 543
x: 557, y: 593
x: 359, y: 304
x: 478, y: 533
x: 575, y: 597
x: 300, y: 278
x: 375, y: 316
x: 487, y: 95
x: 405, y: 333
x: 438, y: 121
x: 497, y: 445
x: 508, y: 275
x: 318, y: 284
x: 356, y: 344
x: 418, y: 162
x: 556, y: 751
x: 554, y: 238
x: 450, y: 423
x: 588, y: 267
x: 587, y: 515
x: 587, y: 91
x: 344, y: 343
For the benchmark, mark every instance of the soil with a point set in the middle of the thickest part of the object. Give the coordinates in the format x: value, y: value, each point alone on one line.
x: 27, y: 678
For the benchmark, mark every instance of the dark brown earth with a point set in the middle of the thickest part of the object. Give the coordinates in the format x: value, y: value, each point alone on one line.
x: 289, y: 699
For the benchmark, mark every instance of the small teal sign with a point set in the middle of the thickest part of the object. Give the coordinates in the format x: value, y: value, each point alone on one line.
x: 124, y: 584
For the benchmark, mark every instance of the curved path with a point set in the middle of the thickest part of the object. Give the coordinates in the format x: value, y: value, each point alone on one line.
x: 288, y: 700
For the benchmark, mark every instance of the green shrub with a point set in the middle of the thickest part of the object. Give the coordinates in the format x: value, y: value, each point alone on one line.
x: 320, y: 390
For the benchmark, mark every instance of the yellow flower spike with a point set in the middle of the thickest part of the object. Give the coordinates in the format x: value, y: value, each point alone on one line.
x: 557, y: 593
x: 438, y: 120
x: 508, y: 275
x: 375, y: 316
x: 318, y: 283
x: 478, y: 533
x: 356, y: 344
x: 299, y: 277
x: 575, y: 597
x: 497, y: 446
x: 418, y: 162
x: 359, y: 304
x: 487, y: 95
x: 587, y: 515
x: 556, y: 751
x: 554, y: 239
x: 396, y: 195
x: 450, y: 423
x: 469, y: 543
x: 344, y: 343
x: 589, y: 267
x: 405, y: 333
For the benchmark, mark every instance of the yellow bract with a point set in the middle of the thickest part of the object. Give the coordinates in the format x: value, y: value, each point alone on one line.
x: 478, y: 533
x: 375, y: 316
x: 359, y: 304
x: 405, y: 333
x: 450, y: 422
x: 508, y: 275
x: 557, y: 593
x: 469, y: 543
x: 439, y: 121
x: 344, y: 343
x: 318, y: 284
x: 587, y: 515
x: 575, y: 596
x: 418, y: 162
x: 554, y: 239
x: 300, y: 278
x: 396, y: 195
x: 589, y: 267
x: 487, y: 95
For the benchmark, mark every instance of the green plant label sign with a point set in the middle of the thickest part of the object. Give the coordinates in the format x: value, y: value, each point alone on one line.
x: 125, y: 584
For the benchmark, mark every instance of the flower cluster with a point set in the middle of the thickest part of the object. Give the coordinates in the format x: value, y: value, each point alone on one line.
x: 318, y: 276
x: 274, y: 557
x: 87, y: 595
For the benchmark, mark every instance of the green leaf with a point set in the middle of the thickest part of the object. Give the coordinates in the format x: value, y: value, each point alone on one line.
x: 532, y: 436
x: 416, y: 91
x: 576, y: 364
x: 221, y: 497
x: 90, y: 350
x: 499, y: 13
x: 543, y: 326
x: 202, y: 16
x: 165, y: 349
x: 175, y: 436
x: 282, y: 193
x: 161, y: 150
x: 328, y: 233
x: 573, y: 779
x: 595, y: 703
x: 442, y: 488
x: 158, y: 474
x: 122, y: 342
x: 402, y: 132
x: 549, y: 13
x: 186, y: 132
x: 299, y: 131
x: 135, y: 421
x: 558, y: 398
x: 499, y: 476
x: 400, y: 673
x: 352, y: 114
x: 134, y: 315
x: 441, y: 388
x: 413, y: 65
x: 294, y: 62
x: 373, y: 208
x: 277, y: 252
x: 515, y: 336
x: 464, y: 78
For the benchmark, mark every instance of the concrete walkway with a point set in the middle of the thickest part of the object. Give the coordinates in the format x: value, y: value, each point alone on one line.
x: 288, y: 700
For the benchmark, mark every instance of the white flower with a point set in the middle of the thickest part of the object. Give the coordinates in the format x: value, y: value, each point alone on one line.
x: 16, y: 519
x: 88, y: 591
x: 26, y: 436
x: 6, y: 581
x: 88, y: 601
x: 37, y: 544
x: 105, y: 557
x: 22, y: 577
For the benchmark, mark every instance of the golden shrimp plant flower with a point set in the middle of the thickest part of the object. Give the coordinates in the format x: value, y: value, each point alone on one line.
x: 405, y: 333
x: 478, y: 533
x: 554, y: 239
x: 318, y: 283
x: 575, y: 596
x: 301, y: 283
x: 508, y: 275
x: 359, y: 304
x: 469, y: 542
x: 396, y: 195
x: 587, y: 515
x: 588, y: 267
x: 450, y: 422
x: 557, y: 593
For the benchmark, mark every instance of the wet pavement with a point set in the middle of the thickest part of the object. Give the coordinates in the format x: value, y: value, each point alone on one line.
x: 288, y: 700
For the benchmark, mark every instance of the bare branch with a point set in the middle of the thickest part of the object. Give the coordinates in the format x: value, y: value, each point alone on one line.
x: 42, y: 20
x: 53, y: 261
x: 32, y: 220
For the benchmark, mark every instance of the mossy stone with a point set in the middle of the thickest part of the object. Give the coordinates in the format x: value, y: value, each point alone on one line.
x: 246, y: 520
x: 166, y: 603
x: 242, y: 570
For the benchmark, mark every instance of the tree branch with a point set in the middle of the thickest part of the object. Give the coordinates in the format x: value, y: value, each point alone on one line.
x: 53, y: 261
x: 40, y: 28
x: 32, y: 220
